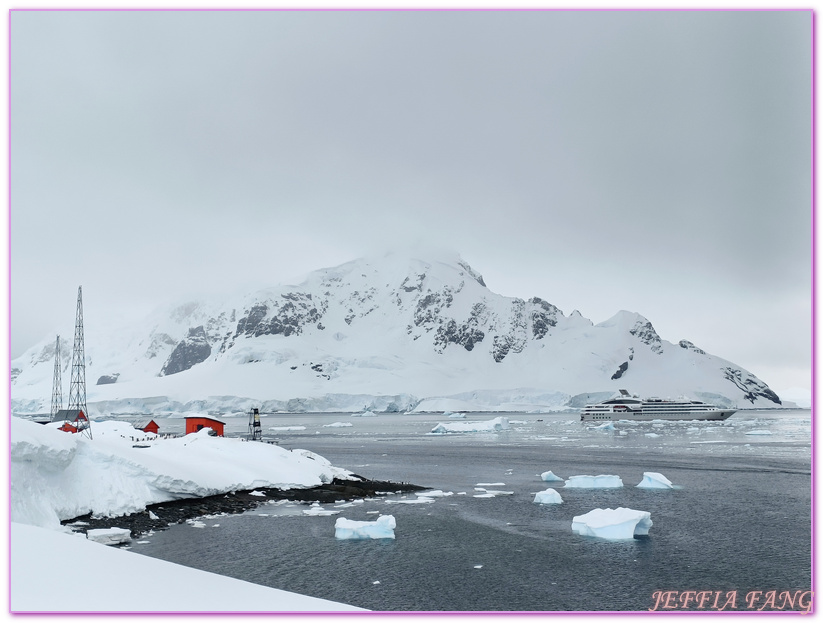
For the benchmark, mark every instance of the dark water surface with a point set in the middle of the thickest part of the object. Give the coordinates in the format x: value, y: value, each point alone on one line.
x: 740, y: 519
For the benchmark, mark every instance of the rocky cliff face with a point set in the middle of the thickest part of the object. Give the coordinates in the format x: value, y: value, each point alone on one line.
x: 391, y: 325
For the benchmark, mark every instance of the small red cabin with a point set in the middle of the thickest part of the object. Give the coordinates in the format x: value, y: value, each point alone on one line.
x: 147, y: 427
x: 199, y: 422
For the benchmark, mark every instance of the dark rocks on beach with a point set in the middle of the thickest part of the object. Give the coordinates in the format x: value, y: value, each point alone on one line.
x: 160, y: 516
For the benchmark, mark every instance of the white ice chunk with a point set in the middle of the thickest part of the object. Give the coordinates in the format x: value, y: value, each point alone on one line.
x: 652, y: 435
x: 382, y: 528
x: 437, y: 493
x: 487, y: 426
x: 337, y: 425
x: 550, y: 477
x: 315, y: 510
x: 109, y: 536
x: 602, y: 481
x: 604, y: 426
x: 549, y: 496
x: 613, y: 524
x: 654, y: 480
x: 759, y: 432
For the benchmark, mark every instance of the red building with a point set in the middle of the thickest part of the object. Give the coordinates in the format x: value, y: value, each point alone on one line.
x: 147, y: 427
x: 199, y: 422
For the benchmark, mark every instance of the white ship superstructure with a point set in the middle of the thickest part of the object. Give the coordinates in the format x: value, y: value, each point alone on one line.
x: 624, y: 406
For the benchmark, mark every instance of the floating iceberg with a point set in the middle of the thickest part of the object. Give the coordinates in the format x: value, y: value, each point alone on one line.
x: 550, y: 477
x: 594, y: 482
x: 654, y: 480
x: 549, y: 496
x: 612, y: 524
x: 759, y: 432
x: 456, y: 416
x: 487, y: 426
x: 382, y: 528
x: 337, y: 425
x: 315, y: 510
x: 364, y: 414
x: 604, y: 426
x: 109, y: 536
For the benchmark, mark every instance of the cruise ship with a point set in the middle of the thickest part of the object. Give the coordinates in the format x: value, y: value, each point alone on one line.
x: 624, y: 406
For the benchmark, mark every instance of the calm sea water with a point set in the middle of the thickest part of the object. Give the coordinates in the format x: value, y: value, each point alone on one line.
x: 740, y: 518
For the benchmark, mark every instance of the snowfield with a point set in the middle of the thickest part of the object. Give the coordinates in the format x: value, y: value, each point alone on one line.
x: 57, y: 476
x: 111, y: 579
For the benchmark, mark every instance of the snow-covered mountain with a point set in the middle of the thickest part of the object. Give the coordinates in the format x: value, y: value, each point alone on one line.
x: 386, y: 333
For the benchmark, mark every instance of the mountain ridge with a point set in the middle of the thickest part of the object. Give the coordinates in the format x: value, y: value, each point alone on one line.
x: 387, y: 325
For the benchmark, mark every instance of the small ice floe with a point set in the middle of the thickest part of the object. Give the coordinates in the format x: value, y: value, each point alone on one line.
x: 486, y: 493
x: 652, y: 435
x: 490, y: 484
x: 455, y: 416
x: 655, y: 480
x: 487, y: 426
x: 109, y: 536
x: 287, y: 428
x: 549, y: 496
x: 152, y: 515
x: 257, y: 493
x: 603, y: 481
x: 613, y: 524
x: 382, y: 528
x: 604, y: 426
x: 436, y: 493
x: 418, y: 500
x: 550, y: 477
x: 622, y: 433
x: 518, y: 422
x: 195, y: 524
x: 478, y: 566
x: 376, y: 582
x: 364, y: 414
x: 759, y: 432
x: 315, y: 510
x: 337, y: 425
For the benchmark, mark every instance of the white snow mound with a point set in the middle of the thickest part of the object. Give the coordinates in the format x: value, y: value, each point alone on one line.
x: 382, y: 528
x: 613, y: 524
x: 109, y: 536
x: 602, y: 481
x: 549, y: 496
x: 654, y: 480
x: 550, y: 477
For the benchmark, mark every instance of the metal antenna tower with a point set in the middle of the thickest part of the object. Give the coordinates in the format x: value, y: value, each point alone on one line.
x: 255, y: 431
x: 57, y: 384
x: 77, y: 389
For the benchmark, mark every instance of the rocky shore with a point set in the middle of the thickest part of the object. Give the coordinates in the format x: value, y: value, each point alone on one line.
x: 160, y: 516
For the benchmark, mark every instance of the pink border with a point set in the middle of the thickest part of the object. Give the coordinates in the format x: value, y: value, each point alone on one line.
x: 813, y: 206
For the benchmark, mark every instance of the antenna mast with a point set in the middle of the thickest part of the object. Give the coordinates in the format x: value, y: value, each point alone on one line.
x: 57, y: 384
x: 77, y: 389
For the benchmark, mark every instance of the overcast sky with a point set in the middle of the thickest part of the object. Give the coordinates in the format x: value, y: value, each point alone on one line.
x: 658, y: 162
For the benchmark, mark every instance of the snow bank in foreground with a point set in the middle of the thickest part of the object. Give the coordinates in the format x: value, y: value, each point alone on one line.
x: 549, y: 496
x: 57, y: 475
x: 550, y: 477
x: 488, y: 426
x: 111, y: 581
x: 655, y: 480
x: 594, y: 482
x: 382, y: 528
x: 613, y: 524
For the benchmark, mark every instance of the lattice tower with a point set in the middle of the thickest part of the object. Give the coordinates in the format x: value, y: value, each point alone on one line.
x: 57, y: 384
x: 77, y: 388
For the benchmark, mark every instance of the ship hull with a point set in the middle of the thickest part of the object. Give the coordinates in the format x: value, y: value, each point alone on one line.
x: 639, y: 416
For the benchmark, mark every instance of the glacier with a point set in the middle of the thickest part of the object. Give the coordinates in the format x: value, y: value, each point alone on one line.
x: 391, y: 333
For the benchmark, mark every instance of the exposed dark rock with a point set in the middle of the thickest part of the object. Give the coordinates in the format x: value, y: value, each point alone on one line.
x: 623, y: 367
x: 751, y: 387
x: 108, y: 379
x: 193, y: 349
x: 646, y: 333
x: 160, y: 516
x: 544, y: 317
x: 689, y: 346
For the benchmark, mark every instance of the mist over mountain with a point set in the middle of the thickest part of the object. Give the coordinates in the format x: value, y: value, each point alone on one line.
x: 392, y: 332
